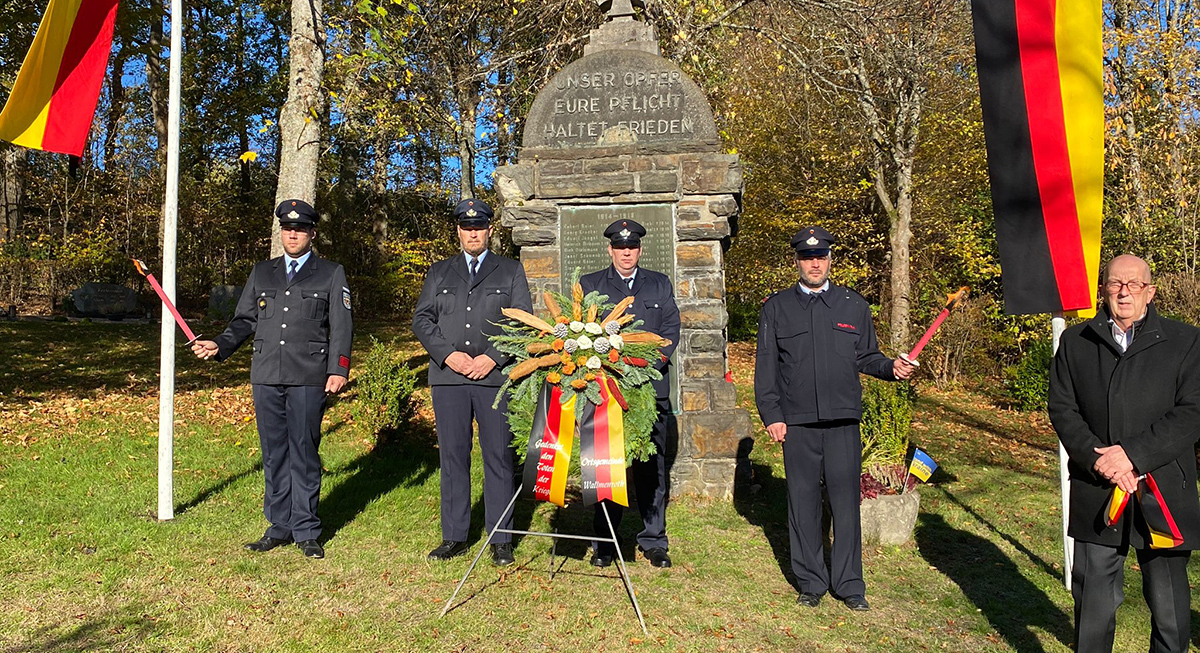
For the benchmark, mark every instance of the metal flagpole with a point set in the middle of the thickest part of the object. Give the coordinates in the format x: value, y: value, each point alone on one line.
x: 166, y: 380
x: 1058, y: 324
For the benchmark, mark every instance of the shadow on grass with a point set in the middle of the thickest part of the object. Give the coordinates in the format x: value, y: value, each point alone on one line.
x: 762, y: 501
x: 217, y: 488
x: 1046, y: 567
x: 993, y: 583
x: 104, y: 632
x: 407, y: 458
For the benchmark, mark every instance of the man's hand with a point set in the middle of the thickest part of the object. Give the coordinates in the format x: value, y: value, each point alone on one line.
x: 777, y: 431
x: 481, y: 366
x: 461, y: 362
x: 903, y: 368
x: 1127, y: 482
x: 204, y: 349
x: 334, y: 384
x: 1113, y: 463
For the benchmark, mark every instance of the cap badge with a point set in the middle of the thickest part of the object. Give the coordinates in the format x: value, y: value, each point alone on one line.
x: 812, y: 240
x: 293, y: 215
x: 624, y: 233
x: 471, y: 213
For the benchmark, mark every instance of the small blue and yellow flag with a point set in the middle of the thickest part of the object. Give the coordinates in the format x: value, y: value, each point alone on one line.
x: 922, y: 465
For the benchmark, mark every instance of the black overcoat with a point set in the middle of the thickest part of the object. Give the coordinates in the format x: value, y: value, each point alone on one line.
x: 654, y: 304
x: 1148, y: 401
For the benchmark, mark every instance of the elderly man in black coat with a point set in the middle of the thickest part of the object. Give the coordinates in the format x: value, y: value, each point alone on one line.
x: 1125, y: 401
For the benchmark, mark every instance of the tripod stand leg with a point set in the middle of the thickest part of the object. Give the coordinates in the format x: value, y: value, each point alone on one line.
x: 479, y: 555
x: 621, y: 568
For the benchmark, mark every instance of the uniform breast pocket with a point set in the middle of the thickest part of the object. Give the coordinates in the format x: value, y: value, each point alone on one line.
x: 845, y: 339
x: 316, y: 304
x: 651, y: 315
x: 445, y: 298
x: 793, y: 342
x: 497, y: 298
x: 266, y: 304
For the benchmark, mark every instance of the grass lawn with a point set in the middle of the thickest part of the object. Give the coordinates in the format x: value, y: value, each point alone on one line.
x: 85, y: 566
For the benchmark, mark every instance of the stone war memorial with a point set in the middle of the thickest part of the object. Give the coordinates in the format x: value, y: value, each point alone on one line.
x: 624, y: 133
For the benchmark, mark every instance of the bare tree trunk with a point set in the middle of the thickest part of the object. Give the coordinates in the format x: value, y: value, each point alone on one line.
x: 300, y: 120
x: 246, y: 186
x: 379, y: 214
x: 468, y: 106
x: 116, y: 97
x: 158, y: 97
x: 1125, y: 93
x: 12, y: 192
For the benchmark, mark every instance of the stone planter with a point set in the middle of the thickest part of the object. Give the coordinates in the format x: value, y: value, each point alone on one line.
x: 889, y: 519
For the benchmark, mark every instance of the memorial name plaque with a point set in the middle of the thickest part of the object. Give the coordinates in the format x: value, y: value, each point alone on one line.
x: 583, y: 245
x: 644, y: 95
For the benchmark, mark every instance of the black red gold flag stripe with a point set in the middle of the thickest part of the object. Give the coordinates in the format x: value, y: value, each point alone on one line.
x: 548, y: 455
x: 1040, y: 82
x: 1156, y: 514
x: 602, y: 451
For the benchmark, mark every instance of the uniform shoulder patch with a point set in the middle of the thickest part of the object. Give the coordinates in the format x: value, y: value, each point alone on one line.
x: 346, y: 297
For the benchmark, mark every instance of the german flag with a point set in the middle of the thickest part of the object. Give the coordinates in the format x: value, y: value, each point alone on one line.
x: 1040, y: 82
x: 548, y: 455
x: 602, y: 450
x: 54, y: 98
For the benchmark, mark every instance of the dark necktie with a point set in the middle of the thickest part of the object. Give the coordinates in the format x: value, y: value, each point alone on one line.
x: 474, y: 268
x: 629, y: 282
x: 292, y: 270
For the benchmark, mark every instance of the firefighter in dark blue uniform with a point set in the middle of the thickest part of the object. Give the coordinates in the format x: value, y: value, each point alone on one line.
x: 458, y: 309
x: 655, y: 305
x: 297, y: 307
x: 813, y: 341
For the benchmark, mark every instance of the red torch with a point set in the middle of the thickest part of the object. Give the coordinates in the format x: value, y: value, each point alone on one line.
x: 951, y: 302
x: 187, y: 331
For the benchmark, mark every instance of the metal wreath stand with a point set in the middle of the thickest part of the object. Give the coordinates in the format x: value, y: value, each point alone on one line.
x: 624, y: 573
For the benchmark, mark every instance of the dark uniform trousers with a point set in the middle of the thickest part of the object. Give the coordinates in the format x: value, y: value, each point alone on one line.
x: 303, y: 329
x: 833, y: 451
x: 655, y: 305
x: 457, y: 312
x: 811, y: 349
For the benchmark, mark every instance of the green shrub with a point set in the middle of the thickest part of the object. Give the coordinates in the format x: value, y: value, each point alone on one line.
x: 886, y: 422
x: 1029, y: 380
x: 743, y: 320
x: 385, y: 385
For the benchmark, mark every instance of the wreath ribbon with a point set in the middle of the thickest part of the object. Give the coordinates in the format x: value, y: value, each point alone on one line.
x: 1164, y: 532
x: 601, y: 441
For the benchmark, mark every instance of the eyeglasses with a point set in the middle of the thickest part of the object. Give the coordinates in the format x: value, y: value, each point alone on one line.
x: 1134, y: 287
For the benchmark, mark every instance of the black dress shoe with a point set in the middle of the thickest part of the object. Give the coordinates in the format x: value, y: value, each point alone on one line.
x: 311, y: 548
x: 448, y: 549
x: 808, y: 599
x: 601, y: 560
x: 265, y: 543
x: 857, y: 602
x: 502, y: 554
x: 658, y: 557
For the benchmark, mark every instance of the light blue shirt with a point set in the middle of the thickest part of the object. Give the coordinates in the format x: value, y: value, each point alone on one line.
x: 300, y: 261
x: 467, y: 257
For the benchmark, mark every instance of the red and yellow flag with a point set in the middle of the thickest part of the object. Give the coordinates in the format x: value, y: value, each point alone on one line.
x: 1160, y: 523
x: 54, y: 98
x: 1041, y: 89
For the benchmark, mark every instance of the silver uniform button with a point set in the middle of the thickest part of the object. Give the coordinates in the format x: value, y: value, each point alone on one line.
x: 281, y: 342
x: 468, y: 342
x: 322, y: 351
x: 263, y: 295
x: 468, y: 326
x: 285, y: 309
x: 468, y: 308
x: 316, y: 294
x: 287, y: 292
x: 284, y: 326
x: 444, y: 291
